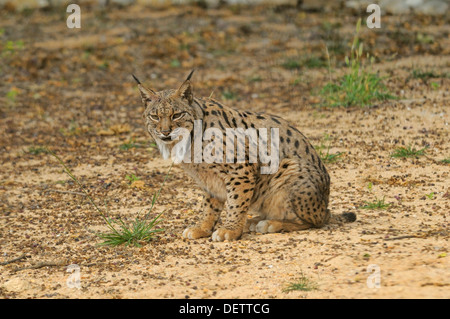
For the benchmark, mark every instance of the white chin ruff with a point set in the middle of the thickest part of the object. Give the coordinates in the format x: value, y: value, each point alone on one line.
x: 163, y: 149
x: 178, y: 152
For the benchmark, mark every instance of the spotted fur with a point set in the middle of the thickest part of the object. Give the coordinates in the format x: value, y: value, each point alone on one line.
x: 295, y: 197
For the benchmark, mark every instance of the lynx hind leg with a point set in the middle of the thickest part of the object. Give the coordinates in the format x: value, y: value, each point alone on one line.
x: 301, y: 210
x: 261, y: 225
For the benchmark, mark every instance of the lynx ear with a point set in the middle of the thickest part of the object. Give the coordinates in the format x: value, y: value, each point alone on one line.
x: 146, y: 94
x: 185, y: 90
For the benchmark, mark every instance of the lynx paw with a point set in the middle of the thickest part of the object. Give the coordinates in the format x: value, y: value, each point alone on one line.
x: 195, y: 232
x: 225, y: 234
x: 251, y: 223
x: 268, y: 226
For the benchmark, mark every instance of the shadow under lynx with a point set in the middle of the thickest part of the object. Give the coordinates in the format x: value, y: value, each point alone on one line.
x: 293, y: 197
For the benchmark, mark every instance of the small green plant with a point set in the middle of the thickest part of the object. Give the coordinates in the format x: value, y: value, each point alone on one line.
x: 228, y: 95
x: 291, y: 64
x: 73, y: 129
x: 36, y: 150
x: 312, y: 62
x: 377, y: 204
x: 104, y: 65
x: 435, y: 85
x: 446, y: 160
x: 426, y: 74
x: 328, y: 157
x: 309, y: 62
x: 424, y: 38
x: 255, y: 78
x: 11, y: 47
x: 120, y: 233
x: 175, y: 63
x: 132, y: 178
x: 409, y: 151
x: 129, y: 145
x: 303, y: 283
x: 359, y: 86
x: 11, y: 96
x: 423, y: 75
x: 430, y: 195
x: 324, y: 150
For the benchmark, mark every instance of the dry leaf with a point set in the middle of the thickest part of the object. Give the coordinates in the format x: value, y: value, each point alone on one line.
x: 138, y: 185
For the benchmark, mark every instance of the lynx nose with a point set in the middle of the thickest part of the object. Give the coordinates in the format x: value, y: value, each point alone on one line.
x: 165, y: 132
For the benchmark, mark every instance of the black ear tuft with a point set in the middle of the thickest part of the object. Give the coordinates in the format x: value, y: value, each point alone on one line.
x: 190, y: 75
x: 136, y: 79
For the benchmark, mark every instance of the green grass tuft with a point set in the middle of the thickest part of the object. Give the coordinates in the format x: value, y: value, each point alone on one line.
x: 140, y: 231
x: 309, y: 62
x: 228, y: 95
x: 359, y: 86
x: 303, y: 283
x: 36, y: 150
x: 132, y: 178
x: 129, y: 145
x: 424, y: 75
x: 409, y: 151
x: 377, y: 204
x: 324, y: 151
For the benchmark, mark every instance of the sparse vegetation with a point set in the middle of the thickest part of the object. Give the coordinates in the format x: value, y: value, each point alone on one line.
x: 426, y: 74
x: 409, y: 151
x: 430, y: 195
x: 304, y: 62
x: 360, y: 86
x: 119, y: 232
x: 175, y: 63
x: 423, y: 75
x: 11, y: 96
x: 324, y: 150
x: 303, y: 283
x: 129, y: 145
x: 132, y: 178
x: 228, y: 95
x: 435, y: 85
x: 36, y: 150
x: 377, y: 204
x: 12, y: 47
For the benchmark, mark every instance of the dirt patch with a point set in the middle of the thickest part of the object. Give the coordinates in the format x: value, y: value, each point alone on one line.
x: 71, y: 90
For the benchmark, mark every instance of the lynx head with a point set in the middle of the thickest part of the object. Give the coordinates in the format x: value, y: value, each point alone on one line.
x: 167, y: 111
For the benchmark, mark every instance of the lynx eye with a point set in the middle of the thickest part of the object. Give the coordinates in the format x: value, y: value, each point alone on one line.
x: 177, y: 116
x: 154, y: 117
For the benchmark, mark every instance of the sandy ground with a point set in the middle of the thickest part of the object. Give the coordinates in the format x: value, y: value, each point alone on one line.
x: 75, y: 96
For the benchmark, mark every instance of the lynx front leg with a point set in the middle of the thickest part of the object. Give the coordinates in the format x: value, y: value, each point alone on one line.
x: 239, y: 193
x: 211, y: 212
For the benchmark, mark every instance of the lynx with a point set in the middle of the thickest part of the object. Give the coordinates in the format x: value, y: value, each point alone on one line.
x: 293, y: 197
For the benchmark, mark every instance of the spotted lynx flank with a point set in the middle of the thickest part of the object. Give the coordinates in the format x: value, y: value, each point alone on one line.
x: 295, y: 197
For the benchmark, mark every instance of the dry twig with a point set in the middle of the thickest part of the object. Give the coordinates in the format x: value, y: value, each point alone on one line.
x: 65, y: 192
x: 42, y: 264
x: 13, y: 260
